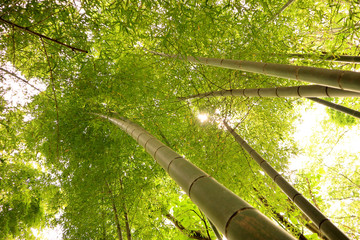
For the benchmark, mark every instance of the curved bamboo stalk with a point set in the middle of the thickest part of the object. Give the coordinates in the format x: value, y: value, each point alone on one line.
x: 323, y: 223
x: 337, y: 107
x: 234, y: 217
x: 298, y: 91
x: 347, y: 80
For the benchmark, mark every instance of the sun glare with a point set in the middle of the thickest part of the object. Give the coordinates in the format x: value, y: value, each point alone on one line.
x: 202, y: 117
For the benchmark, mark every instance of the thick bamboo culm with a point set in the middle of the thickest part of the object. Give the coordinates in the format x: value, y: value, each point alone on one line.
x: 234, y: 217
x: 297, y: 91
x: 337, y: 107
x: 347, y: 80
x: 323, y: 223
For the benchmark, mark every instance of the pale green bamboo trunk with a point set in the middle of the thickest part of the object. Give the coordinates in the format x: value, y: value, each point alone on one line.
x: 234, y: 217
x: 347, y: 80
x: 323, y: 223
x: 298, y: 91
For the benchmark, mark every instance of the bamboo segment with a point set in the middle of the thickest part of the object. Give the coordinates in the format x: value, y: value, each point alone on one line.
x: 234, y: 217
x: 347, y: 80
x: 298, y: 91
x: 323, y: 223
x: 337, y: 107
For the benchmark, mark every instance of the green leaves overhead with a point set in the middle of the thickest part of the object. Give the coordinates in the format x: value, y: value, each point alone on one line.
x: 78, y: 155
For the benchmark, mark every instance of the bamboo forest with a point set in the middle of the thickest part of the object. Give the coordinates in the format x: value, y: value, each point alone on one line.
x: 180, y: 119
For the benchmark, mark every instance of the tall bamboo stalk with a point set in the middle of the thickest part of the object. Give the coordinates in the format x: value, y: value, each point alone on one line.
x: 337, y: 58
x: 337, y: 107
x: 323, y: 223
x: 234, y: 217
x: 347, y: 80
x: 298, y: 91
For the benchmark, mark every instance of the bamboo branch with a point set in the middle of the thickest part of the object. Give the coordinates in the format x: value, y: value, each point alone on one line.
x: 56, y: 102
x: 194, y: 234
x: 23, y: 80
x: 41, y: 36
x: 115, y: 213
x: 281, y: 10
x: 283, y: 221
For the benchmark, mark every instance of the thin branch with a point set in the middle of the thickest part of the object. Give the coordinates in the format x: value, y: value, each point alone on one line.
x: 194, y: 234
x: 311, y: 194
x: 55, y: 99
x: 23, y: 80
x: 281, y: 10
x: 41, y: 36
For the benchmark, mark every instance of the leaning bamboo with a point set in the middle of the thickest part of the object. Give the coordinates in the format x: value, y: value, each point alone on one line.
x: 347, y: 80
x: 298, y: 91
x: 337, y: 58
x: 234, y: 217
x: 323, y: 223
x: 337, y: 107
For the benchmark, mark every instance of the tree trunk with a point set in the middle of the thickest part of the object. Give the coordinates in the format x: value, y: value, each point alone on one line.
x: 347, y: 80
x: 298, y: 91
x: 234, y: 217
x: 323, y: 223
x: 337, y: 107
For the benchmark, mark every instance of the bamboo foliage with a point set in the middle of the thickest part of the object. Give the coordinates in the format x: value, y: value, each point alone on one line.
x: 347, y: 80
x: 234, y: 217
x: 298, y: 91
x: 323, y: 223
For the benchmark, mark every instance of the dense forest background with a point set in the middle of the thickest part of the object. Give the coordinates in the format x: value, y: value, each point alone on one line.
x: 62, y: 167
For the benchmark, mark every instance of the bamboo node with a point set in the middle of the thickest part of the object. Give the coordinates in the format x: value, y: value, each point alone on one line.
x: 232, y: 216
x: 263, y: 68
x: 297, y: 72
x: 203, y: 176
x: 339, y: 79
x: 298, y: 91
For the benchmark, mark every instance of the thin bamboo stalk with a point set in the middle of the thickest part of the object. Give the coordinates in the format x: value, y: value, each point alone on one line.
x: 234, y: 217
x: 337, y: 107
x: 337, y: 58
x: 298, y: 91
x: 347, y: 80
x: 323, y: 223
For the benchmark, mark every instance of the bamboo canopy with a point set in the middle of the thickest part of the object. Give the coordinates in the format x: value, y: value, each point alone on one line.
x: 297, y: 91
x: 234, y: 217
x: 323, y: 223
x: 347, y: 80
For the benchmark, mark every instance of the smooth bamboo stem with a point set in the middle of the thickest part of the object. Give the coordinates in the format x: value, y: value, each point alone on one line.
x: 323, y: 223
x: 298, y: 91
x: 337, y: 58
x: 337, y: 107
x: 347, y: 80
x: 234, y: 217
